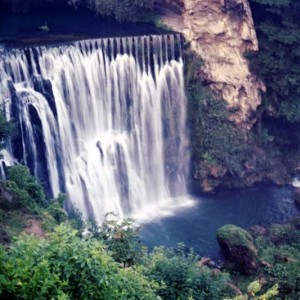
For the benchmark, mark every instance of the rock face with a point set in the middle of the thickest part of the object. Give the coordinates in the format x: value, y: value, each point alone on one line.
x: 237, y: 245
x: 220, y: 31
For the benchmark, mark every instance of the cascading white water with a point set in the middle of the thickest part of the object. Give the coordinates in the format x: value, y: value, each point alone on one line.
x: 103, y: 120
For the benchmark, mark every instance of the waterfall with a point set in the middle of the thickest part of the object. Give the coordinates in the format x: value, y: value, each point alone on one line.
x: 102, y: 120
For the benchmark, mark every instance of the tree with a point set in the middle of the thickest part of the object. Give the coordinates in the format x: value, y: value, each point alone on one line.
x: 278, y: 28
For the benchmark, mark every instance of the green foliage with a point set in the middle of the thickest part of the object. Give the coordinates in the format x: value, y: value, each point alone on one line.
x: 66, y: 266
x: 253, y: 289
x: 280, y: 248
x: 76, y: 219
x: 181, y: 278
x: 283, y: 234
x: 11, y: 224
x: 121, y: 238
x: 278, y: 25
x: 26, y: 191
x: 56, y: 210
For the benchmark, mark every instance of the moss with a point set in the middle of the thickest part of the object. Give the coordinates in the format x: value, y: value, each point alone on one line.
x: 235, y: 236
x: 240, y: 252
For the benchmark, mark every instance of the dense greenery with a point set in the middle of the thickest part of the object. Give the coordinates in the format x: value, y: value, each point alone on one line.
x: 278, y: 29
x: 108, y: 261
x: 279, y: 252
x: 26, y: 190
x: 121, y: 238
x: 276, y: 63
x: 65, y: 266
x: 183, y: 278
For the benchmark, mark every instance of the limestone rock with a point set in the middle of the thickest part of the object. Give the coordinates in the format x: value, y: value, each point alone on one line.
x: 220, y: 31
x: 237, y: 245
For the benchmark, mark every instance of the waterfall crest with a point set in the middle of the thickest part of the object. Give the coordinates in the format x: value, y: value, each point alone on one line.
x: 102, y: 120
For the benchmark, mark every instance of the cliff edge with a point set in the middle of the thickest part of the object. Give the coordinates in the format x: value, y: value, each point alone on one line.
x: 220, y: 31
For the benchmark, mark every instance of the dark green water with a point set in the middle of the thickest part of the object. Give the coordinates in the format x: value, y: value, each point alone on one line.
x: 196, y: 226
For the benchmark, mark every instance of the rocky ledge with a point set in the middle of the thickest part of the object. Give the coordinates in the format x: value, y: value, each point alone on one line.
x: 220, y: 31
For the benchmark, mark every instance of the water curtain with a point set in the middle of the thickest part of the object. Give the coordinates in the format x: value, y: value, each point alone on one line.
x: 102, y: 120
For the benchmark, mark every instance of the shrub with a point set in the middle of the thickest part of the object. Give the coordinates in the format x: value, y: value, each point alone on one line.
x: 182, y: 278
x: 66, y: 266
x: 121, y: 238
x: 28, y: 191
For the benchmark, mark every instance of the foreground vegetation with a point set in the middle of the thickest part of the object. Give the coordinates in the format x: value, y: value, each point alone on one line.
x: 77, y: 260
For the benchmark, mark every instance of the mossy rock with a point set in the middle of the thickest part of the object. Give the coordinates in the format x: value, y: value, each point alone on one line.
x: 238, y: 247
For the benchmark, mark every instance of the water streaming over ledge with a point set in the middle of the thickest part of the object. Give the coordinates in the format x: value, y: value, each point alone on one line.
x: 102, y: 120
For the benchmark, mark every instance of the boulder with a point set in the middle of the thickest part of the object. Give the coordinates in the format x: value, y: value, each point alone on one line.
x: 238, y: 247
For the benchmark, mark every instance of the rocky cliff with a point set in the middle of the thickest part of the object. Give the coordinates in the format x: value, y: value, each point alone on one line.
x: 220, y: 31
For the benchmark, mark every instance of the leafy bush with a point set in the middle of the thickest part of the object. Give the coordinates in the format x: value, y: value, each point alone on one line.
x: 181, y: 278
x: 26, y: 191
x: 121, y: 238
x: 66, y: 266
x: 253, y: 289
x: 283, y: 234
x: 56, y: 209
x: 279, y: 250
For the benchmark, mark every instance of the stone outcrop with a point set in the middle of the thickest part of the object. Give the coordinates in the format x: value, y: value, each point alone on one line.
x: 220, y: 31
x: 238, y: 247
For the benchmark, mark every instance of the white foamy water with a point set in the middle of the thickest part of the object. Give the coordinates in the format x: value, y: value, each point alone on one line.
x: 102, y: 120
